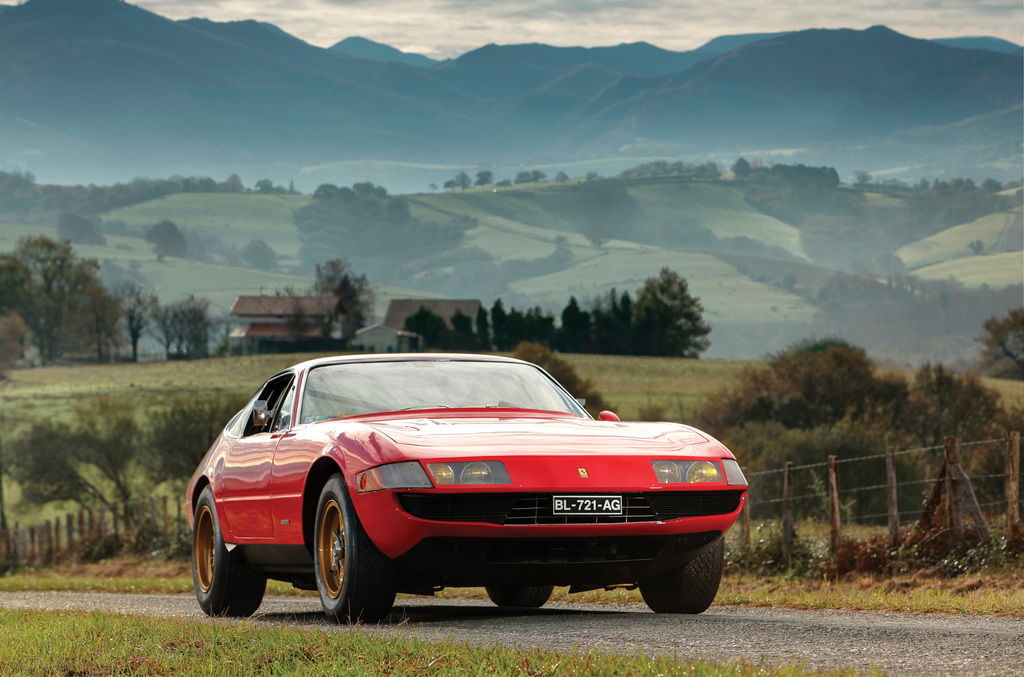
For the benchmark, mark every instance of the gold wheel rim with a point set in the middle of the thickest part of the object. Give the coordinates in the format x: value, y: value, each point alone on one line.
x: 204, y: 547
x: 330, y: 544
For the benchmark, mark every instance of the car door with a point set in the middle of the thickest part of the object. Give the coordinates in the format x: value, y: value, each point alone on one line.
x: 245, y: 477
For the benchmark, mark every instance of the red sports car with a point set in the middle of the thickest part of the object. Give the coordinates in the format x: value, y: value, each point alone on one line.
x: 364, y: 476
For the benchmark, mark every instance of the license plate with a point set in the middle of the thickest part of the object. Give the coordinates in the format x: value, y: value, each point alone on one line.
x: 586, y: 505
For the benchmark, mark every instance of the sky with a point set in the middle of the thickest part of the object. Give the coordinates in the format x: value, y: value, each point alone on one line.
x: 449, y: 28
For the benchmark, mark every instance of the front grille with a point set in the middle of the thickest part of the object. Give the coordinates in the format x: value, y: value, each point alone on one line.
x: 534, y: 509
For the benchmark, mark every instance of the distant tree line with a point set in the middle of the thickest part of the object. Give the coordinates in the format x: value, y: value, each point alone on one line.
x: 665, y: 319
x: 20, y: 194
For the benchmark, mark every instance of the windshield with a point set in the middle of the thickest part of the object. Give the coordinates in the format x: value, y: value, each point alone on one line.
x: 338, y: 390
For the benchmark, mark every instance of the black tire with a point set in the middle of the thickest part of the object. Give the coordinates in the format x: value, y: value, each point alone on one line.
x: 356, y: 581
x: 523, y: 596
x: 689, y: 589
x: 225, y: 584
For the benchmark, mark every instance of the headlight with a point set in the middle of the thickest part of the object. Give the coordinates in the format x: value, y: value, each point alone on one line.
x: 667, y: 472
x: 476, y: 473
x: 688, y: 472
x: 442, y: 472
x: 472, y: 472
x: 703, y: 471
x: 405, y: 475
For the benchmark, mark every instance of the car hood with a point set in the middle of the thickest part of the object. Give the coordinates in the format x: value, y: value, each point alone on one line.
x: 512, y: 436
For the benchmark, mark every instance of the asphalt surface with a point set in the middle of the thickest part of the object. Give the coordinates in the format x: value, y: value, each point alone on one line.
x: 899, y: 644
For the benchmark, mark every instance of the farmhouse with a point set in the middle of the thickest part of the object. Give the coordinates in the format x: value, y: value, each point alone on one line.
x: 378, y: 338
x: 270, y: 323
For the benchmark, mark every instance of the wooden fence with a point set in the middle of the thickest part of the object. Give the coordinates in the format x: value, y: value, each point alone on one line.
x: 47, y: 542
x: 952, y: 494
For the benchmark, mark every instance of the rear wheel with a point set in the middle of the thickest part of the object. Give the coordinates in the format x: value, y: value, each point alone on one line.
x: 690, y: 589
x: 225, y: 584
x: 523, y: 596
x: 356, y: 581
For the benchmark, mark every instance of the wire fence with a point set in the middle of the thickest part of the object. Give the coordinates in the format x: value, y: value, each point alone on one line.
x: 979, y: 480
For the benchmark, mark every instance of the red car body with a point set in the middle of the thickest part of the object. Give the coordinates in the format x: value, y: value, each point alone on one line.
x: 266, y: 486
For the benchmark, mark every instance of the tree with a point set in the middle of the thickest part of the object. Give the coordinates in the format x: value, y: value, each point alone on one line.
x: 861, y: 177
x: 484, y: 178
x: 1002, y: 345
x: 91, y: 460
x: 669, y: 320
x: 49, y: 284
x: 428, y: 325
x: 138, y: 305
x: 462, y: 180
x: 483, y: 329
x: 12, y: 332
x: 325, y: 191
x: 101, y: 326
x: 78, y: 230
x: 183, y: 328
x: 265, y: 186
x: 167, y: 240
x: 178, y: 435
x: 741, y: 168
x: 258, y: 254
x: 353, y: 292
x: 575, y: 334
x: 499, y: 326
x: 561, y: 177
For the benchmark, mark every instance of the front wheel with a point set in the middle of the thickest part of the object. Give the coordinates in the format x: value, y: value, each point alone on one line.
x: 225, y: 584
x: 523, y: 596
x: 356, y: 581
x: 690, y: 589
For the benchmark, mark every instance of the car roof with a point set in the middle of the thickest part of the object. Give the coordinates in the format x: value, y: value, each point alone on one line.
x: 403, y: 357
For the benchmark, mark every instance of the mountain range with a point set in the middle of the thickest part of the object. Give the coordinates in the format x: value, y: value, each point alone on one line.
x: 101, y: 90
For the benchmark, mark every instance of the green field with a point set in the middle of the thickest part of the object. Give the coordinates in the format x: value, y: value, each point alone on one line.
x: 234, y: 219
x: 953, y: 244
x: 994, y: 270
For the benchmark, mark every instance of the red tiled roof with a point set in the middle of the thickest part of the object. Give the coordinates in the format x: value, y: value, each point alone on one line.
x: 280, y: 306
x: 280, y: 331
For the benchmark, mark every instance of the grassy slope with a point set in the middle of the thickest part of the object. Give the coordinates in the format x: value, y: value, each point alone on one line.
x: 952, y: 243
x: 995, y: 270
x: 235, y: 219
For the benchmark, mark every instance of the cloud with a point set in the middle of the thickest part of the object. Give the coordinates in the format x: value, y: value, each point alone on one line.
x: 447, y: 28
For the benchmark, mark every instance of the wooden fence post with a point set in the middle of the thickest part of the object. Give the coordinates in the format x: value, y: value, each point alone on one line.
x: 49, y: 542
x: 167, y: 526
x: 56, y: 535
x: 71, y: 531
x: 103, y: 521
x: 893, y: 503
x: 1013, y: 480
x: 833, y: 490
x: 956, y: 508
x: 788, y: 531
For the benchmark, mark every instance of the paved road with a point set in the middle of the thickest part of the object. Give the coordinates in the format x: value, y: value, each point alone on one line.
x: 901, y: 644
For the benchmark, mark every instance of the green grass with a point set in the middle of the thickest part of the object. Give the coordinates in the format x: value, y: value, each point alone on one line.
x: 81, y: 644
x: 235, y: 219
x: 994, y: 270
x: 952, y: 244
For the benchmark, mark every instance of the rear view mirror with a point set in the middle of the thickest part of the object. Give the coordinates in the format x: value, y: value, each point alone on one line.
x: 260, y: 414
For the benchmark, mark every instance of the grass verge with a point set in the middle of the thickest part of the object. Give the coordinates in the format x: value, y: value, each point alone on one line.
x: 67, y: 643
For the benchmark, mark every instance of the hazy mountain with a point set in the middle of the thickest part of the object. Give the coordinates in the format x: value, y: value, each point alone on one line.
x: 99, y: 89
x: 988, y: 44
x: 812, y: 86
x: 368, y: 49
x: 727, y: 43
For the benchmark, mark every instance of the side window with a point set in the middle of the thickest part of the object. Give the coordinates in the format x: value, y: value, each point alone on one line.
x: 283, y: 420
x: 263, y: 412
